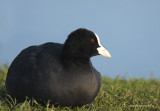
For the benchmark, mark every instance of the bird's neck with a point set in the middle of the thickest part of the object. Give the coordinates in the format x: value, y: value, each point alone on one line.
x: 70, y: 56
x: 75, y: 60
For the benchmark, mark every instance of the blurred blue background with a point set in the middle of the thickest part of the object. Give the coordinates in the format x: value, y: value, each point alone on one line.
x: 130, y: 30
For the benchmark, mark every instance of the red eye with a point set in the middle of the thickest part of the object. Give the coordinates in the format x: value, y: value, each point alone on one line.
x: 92, y: 41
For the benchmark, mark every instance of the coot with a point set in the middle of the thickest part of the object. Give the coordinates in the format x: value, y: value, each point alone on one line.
x: 61, y: 73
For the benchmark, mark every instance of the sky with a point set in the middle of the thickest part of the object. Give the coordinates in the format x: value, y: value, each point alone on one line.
x: 129, y: 29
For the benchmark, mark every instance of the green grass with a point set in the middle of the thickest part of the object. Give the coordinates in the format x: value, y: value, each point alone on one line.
x: 115, y: 95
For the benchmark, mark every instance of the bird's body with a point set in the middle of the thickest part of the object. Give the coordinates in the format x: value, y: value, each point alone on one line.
x: 51, y: 72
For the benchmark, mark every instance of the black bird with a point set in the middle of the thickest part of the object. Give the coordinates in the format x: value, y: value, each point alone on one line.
x: 61, y: 73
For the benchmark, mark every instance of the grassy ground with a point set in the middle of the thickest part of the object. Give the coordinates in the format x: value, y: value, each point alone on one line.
x: 115, y: 95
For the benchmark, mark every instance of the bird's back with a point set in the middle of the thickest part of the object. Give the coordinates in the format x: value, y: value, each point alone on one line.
x: 30, y: 68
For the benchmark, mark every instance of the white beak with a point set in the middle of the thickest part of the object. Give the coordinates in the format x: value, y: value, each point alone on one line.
x: 101, y: 50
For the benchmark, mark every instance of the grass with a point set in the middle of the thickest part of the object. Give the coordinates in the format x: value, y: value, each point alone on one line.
x: 115, y: 95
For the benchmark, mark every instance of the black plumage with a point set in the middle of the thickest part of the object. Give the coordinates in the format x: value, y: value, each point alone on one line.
x: 61, y: 73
